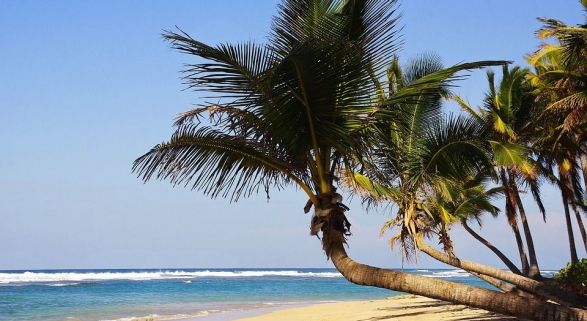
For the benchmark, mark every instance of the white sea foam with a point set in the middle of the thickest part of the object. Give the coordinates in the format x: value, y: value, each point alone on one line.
x: 37, y: 277
x: 157, y: 317
x: 449, y: 274
x: 63, y: 284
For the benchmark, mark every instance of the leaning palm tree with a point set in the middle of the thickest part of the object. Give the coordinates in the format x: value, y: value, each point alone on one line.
x: 420, y: 168
x: 296, y: 111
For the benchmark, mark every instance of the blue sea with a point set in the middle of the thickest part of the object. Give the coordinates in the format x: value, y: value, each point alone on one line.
x: 165, y: 294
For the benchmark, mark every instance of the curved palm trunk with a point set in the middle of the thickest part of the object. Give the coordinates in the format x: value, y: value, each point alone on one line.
x: 521, y: 250
x: 492, y: 247
x: 510, y: 211
x: 583, y: 159
x: 503, y: 303
x: 523, y: 283
x: 572, y: 247
x: 580, y: 224
x: 533, y: 269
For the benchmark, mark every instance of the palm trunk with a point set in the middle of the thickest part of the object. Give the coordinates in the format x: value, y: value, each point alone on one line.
x: 492, y: 247
x: 583, y: 159
x: 503, y: 286
x: 503, y: 303
x: 572, y: 247
x: 580, y: 224
x: 526, y: 284
x: 534, y: 270
x: 521, y: 250
x: 513, y: 221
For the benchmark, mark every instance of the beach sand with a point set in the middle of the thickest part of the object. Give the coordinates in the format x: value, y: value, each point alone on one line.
x: 399, y: 308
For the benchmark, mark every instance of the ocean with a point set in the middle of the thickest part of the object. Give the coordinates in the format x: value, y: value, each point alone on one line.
x: 163, y: 294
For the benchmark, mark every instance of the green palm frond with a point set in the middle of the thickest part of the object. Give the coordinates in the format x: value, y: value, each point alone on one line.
x: 451, y: 148
x: 370, y: 191
x: 217, y: 164
x: 233, y: 72
x: 427, y: 88
x: 466, y: 106
x: 512, y: 155
x: 241, y: 122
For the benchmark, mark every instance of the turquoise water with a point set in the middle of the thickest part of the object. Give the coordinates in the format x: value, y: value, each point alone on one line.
x: 90, y: 295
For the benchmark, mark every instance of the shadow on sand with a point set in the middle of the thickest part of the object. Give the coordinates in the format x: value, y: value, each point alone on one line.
x: 432, y: 308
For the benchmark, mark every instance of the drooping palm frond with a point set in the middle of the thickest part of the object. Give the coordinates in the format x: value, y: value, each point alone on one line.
x: 217, y: 164
x: 466, y: 106
x: 513, y: 156
x: 427, y: 87
x: 239, y: 122
x: 451, y: 148
x: 234, y: 72
x: 561, y: 74
x: 371, y: 192
x: 572, y: 39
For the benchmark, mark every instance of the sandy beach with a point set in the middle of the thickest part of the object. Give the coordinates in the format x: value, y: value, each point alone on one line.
x: 400, y: 308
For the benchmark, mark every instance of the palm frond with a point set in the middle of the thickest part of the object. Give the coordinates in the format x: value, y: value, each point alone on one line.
x: 451, y: 148
x: 512, y: 155
x: 466, y: 106
x: 230, y: 71
x: 370, y: 191
x: 217, y: 164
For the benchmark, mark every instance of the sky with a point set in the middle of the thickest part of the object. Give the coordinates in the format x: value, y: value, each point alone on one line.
x: 88, y: 86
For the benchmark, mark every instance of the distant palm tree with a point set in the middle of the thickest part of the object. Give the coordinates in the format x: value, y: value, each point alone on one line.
x: 559, y: 150
x: 560, y: 78
x: 298, y: 110
x: 431, y: 169
x: 507, y: 112
x: 561, y: 72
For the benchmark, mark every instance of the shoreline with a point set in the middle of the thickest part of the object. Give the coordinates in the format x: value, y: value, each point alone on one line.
x: 396, y: 308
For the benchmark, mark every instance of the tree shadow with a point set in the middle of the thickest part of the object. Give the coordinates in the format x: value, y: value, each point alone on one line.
x: 486, y: 316
x: 415, y: 306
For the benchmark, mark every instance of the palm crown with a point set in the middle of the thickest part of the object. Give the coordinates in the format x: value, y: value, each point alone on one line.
x: 295, y: 110
x: 289, y: 111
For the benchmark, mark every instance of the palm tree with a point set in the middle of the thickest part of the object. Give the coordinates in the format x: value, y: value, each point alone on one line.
x: 420, y: 162
x: 561, y: 80
x: 297, y: 110
x: 558, y: 149
x: 507, y: 111
x: 562, y: 70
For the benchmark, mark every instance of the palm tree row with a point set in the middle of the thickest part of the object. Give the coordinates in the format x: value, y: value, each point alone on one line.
x: 325, y: 104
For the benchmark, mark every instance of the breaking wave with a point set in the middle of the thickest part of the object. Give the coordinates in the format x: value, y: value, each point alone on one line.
x: 449, y: 274
x: 39, y: 277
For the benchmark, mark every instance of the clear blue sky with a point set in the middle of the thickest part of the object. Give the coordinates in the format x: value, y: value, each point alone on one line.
x: 87, y: 86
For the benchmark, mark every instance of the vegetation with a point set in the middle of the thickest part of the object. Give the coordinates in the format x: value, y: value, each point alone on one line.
x: 326, y: 104
x: 574, y: 275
